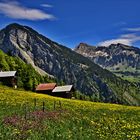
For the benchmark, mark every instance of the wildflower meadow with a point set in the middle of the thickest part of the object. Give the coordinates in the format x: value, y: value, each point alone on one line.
x: 27, y: 115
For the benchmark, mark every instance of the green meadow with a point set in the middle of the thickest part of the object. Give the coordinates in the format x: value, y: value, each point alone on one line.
x: 27, y: 115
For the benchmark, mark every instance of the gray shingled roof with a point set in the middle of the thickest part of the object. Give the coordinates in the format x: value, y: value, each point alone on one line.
x: 7, y: 73
x: 66, y: 88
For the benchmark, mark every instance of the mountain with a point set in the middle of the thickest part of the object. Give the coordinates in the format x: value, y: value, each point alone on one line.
x: 121, y: 59
x: 47, y: 56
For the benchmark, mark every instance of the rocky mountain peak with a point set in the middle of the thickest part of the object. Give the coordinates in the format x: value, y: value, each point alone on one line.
x: 120, y: 45
x: 120, y: 58
x: 18, y: 40
x: 14, y: 26
x: 83, y: 47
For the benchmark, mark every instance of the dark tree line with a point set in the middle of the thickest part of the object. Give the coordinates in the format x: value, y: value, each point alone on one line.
x: 27, y: 77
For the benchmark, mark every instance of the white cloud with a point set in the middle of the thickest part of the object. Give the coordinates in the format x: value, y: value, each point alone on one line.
x: 16, y: 11
x: 132, y: 29
x: 115, y: 41
x: 127, y: 39
x: 128, y: 36
x: 46, y: 5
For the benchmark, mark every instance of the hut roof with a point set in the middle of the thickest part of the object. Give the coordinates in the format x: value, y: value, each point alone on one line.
x: 46, y: 86
x: 66, y: 88
x: 7, y: 74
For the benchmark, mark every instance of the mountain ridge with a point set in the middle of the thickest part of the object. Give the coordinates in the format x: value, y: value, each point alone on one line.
x: 118, y: 58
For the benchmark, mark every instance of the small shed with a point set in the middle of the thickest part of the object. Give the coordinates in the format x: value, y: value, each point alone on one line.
x: 8, y: 78
x: 63, y: 91
x: 45, y: 88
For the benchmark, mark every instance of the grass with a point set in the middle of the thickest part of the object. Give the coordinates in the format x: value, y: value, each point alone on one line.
x: 76, y: 120
x: 130, y: 78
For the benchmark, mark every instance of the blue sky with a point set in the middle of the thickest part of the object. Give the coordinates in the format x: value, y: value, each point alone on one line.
x: 96, y: 22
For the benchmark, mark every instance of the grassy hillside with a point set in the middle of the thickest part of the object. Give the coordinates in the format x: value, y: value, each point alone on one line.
x: 22, y: 117
x: 27, y: 77
x: 129, y: 75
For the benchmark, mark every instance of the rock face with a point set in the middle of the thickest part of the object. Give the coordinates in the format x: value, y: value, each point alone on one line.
x: 50, y: 57
x: 116, y: 57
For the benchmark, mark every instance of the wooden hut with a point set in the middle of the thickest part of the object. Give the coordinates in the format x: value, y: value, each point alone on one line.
x: 8, y: 78
x: 45, y: 88
x: 63, y: 91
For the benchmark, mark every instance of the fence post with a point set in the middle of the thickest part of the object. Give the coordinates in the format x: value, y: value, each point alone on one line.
x: 35, y: 104
x: 60, y: 105
x: 28, y: 110
x: 25, y: 111
x: 43, y: 107
x: 54, y: 105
